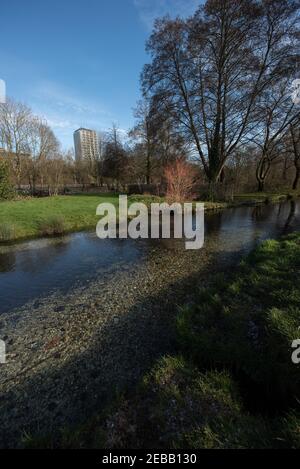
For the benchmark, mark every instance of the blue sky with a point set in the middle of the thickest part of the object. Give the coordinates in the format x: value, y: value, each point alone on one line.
x: 77, y: 63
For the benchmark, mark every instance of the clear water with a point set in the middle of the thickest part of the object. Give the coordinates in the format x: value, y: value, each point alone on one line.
x: 37, y: 268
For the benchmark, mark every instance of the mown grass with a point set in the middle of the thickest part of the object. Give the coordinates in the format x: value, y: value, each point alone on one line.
x: 30, y: 217
x: 48, y: 216
x: 232, y: 383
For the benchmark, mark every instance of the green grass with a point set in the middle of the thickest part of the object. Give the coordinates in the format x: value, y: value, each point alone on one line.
x: 26, y: 218
x: 267, y: 197
x: 248, y: 324
x: 29, y: 217
x: 34, y: 217
x: 7, y: 232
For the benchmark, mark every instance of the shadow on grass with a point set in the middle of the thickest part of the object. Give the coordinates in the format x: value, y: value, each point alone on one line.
x: 117, y: 357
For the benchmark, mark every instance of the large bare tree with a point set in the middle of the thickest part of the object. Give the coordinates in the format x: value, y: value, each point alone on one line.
x: 210, y: 70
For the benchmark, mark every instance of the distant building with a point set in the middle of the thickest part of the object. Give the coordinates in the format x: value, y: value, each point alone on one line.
x: 86, y: 144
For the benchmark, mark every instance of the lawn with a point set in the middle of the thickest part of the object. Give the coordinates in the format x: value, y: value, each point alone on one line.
x: 34, y: 217
x: 30, y: 217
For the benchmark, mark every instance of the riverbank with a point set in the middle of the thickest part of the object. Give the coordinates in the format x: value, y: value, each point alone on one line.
x: 231, y: 383
x: 38, y: 217
x: 53, y: 216
x: 71, y: 350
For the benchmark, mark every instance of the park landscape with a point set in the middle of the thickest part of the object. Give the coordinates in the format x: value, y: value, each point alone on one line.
x: 140, y: 343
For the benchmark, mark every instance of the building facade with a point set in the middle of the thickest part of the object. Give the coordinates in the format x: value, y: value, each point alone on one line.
x: 86, y: 143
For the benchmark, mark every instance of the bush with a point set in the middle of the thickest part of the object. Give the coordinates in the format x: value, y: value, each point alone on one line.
x: 180, y: 178
x: 53, y: 226
x: 6, y: 189
x: 288, y: 429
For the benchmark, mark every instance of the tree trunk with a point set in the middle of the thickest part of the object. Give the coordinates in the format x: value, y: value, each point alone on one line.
x: 261, y: 185
x: 296, y: 180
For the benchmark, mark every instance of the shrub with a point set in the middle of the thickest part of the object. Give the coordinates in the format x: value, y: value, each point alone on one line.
x: 6, y: 189
x: 53, y: 226
x: 180, y: 178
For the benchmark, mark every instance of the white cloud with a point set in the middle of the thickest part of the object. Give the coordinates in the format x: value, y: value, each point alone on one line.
x: 149, y: 10
x: 65, y: 111
x: 60, y: 98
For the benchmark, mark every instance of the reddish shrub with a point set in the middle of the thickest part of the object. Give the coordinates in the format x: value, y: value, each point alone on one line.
x: 180, y: 178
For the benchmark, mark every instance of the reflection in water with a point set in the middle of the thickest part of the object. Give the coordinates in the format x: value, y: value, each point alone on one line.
x: 39, y: 267
x: 291, y: 216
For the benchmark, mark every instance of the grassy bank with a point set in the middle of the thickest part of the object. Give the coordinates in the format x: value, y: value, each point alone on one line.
x: 36, y: 217
x: 232, y: 383
x: 49, y: 216
x: 263, y: 197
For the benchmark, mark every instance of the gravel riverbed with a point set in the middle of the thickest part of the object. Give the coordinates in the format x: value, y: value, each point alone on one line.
x: 67, y: 354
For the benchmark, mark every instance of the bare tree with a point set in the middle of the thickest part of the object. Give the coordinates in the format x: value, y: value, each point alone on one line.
x: 43, y: 145
x: 209, y: 71
x: 144, y: 133
x: 275, y: 114
x: 115, y: 161
x: 15, y: 128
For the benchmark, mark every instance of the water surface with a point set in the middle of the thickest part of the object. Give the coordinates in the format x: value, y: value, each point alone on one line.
x: 40, y: 267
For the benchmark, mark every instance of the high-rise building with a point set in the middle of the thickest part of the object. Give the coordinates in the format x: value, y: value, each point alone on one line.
x: 86, y: 144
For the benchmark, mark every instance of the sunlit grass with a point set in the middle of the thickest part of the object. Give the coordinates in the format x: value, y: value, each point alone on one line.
x: 30, y: 216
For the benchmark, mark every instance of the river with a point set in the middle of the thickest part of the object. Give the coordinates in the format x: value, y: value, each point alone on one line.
x: 83, y: 318
x: 40, y: 267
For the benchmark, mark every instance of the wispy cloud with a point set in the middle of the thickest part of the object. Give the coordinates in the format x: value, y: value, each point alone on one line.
x: 61, y: 98
x: 65, y: 111
x: 149, y: 10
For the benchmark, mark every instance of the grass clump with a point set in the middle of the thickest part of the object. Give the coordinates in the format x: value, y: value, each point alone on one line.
x: 7, y: 232
x: 53, y: 226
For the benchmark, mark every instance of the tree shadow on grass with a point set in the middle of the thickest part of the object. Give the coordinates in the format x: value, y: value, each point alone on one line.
x: 67, y: 393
